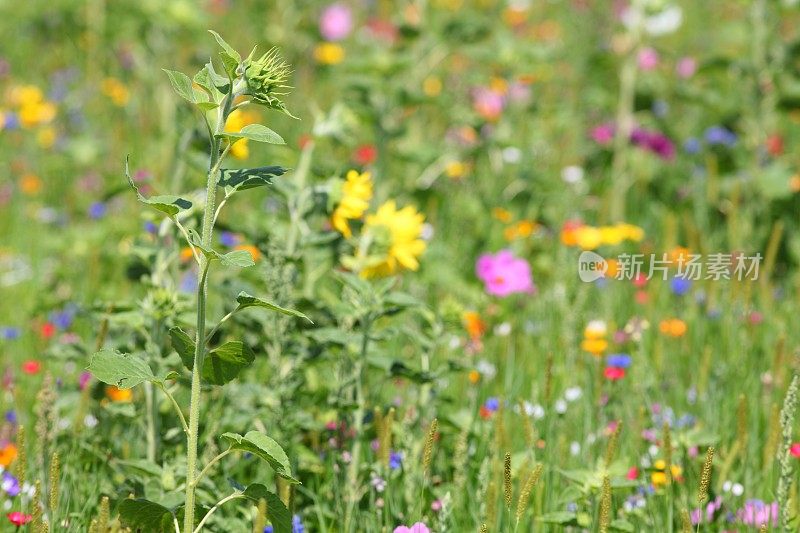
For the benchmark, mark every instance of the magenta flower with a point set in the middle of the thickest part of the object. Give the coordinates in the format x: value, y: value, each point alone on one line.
x: 419, y: 527
x: 336, y: 22
x: 504, y: 274
x: 603, y: 134
x: 756, y: 513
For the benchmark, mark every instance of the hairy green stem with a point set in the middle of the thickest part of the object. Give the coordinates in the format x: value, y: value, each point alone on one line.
x: 200, y: 345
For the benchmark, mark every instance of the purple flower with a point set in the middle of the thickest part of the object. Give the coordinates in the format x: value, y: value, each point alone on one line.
x: 503, y: 274
x: 419, y: 527
x: 655, y: 142
x: 618, y: 360
x: 150, y: 227
x: 336, y: 22
x: 11, y: 121
x: 84, y: 379
x: 297, y: 526
x: 9, y: 484
x: 11, y: 417
x: 680, y: 286
x: 720, y: 135
x: 395, y: 460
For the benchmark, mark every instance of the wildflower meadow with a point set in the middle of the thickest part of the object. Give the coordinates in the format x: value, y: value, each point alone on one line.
x: 415, y: 266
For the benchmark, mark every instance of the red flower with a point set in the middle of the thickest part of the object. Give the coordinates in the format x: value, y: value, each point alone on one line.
x: 485, y: 412
x: 31, y: 366
x: 794, y: 449
x: 775, y: 145
x: 613, y: 373
x: 47, y: 330
x: 633, y: 473
x: 365, y: 154
x: 19, y: 519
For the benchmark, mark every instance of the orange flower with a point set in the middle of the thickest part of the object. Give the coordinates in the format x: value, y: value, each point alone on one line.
x: 679, y: 255
x: 520, y: 230
x: 7, y: 454
x: 254, y: 252
x: 672, y: 327
x: 594, y: 346
x: 30, y: 184
x: 474, y: 325
x: 119, y: 395
x: 474, y: 376
x: 186, y: 254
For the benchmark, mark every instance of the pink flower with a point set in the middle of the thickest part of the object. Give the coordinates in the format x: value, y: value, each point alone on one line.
x: 20, y: 519
x: 648, y: 58
x: 794, y: 449
x: 603, y: 134
x: 686, y: 67
x: 336, y: 22
x: 488, y: 103
x: 419, y: 527
x: 504, y: 274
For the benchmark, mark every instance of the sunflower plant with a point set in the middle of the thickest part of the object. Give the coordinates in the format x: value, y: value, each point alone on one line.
x: 219, y: 99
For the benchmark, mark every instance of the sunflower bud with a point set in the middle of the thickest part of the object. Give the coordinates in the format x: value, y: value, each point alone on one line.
x: 264, y: 78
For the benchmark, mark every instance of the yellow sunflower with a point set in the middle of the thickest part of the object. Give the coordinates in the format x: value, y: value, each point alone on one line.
x: 403, y: 231
x: 356, y: 194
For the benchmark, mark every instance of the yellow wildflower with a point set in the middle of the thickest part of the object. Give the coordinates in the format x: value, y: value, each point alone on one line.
x: 118, y: 395
x: 404, y: 229
x: 329, y: 53
x: 237, y: 120
x: 116, y: 91
x: 356, y: 194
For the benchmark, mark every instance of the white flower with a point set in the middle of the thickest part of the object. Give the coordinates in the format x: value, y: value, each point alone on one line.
x: 653, y: 450
x: 572, y: 393
x: 512, y: 154
x: 502, y: 330
x: 486, y: 368
x: 90, y: 421
x: 737, y: 489
x: 572, y: 174
x: 575, y: 448
x: 561, y: 407
x: 536, y: 411
x: 727, y: 486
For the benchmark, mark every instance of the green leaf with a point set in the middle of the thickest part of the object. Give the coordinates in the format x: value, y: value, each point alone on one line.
x: 249, y: 178
x: 230, y: 57
x: 184, y: 345
x: 144, y: 515
x: 224, y: 363
x: 245, y: 300
x: 169, y: 204
x: 264, y: 447
x: 182, y: 84
x: 236, y: 258
x: 254, y: 132
x: 122, y: 370
x: 278, y: 514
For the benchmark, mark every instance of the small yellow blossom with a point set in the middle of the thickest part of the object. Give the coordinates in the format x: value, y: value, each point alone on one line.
x: 356, y: 194
x: 329, y: 53
x: 405, y: 245
x: 116, y: 91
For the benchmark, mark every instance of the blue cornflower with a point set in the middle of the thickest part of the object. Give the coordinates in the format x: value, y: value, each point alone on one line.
x: 619, y: 360
x: 97, y: 210
x: 228, y: 239
x: 395, y: 460
x: 680, y: 286
x: 150, y: 227
x: 492, y: 404
x: 9, y: 333
x: 9, y: 484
